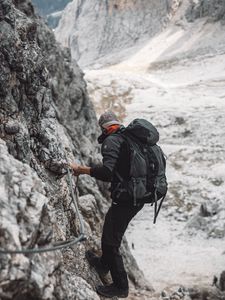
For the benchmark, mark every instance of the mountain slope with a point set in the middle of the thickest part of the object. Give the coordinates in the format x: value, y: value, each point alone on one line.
x: 93, y: 29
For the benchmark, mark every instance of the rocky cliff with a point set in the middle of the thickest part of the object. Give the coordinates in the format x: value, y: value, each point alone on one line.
x: 215, y: 10
x: 104, y: 32
x: 94, y: 29
x: 45, y: 116
x: 175, y: 81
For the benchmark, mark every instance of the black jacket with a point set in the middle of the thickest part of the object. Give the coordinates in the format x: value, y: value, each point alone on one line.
x: 115, y: 154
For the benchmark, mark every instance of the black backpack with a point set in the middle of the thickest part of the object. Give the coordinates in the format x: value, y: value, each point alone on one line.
x: 147, y: 179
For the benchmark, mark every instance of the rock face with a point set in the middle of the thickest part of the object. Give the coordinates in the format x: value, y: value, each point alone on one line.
x: 45, y: 116
x: 103, y: 32
x: 206, y: 8
x: 94, y: 29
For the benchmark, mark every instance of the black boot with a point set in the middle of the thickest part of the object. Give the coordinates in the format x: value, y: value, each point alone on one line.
x: 110, y: 291
x: 95, y: 262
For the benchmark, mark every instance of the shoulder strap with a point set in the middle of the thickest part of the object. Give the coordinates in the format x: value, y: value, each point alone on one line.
x: 156, y: 211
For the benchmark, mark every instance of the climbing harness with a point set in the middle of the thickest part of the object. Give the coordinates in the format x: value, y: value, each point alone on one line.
x: 58, y: 245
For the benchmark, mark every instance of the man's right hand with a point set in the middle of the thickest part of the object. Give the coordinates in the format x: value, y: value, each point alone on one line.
x: 77, y: 169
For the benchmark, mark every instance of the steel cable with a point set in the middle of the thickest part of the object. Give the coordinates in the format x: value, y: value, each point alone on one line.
x: 63, y: 244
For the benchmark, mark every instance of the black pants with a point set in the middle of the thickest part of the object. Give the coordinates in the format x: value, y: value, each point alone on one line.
x: 116, y: 222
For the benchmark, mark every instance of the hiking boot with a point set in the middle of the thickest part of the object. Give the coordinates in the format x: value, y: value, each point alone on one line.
x: 95, y: 262
x: 110, y: 291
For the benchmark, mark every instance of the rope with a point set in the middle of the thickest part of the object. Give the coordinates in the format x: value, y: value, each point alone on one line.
x: 58, y: 245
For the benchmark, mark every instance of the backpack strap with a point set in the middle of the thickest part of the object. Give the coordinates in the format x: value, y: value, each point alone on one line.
x: 157, y: 211
x: 155, y: 208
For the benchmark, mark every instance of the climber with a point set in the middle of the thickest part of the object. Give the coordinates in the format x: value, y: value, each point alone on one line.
x: 120, y: 213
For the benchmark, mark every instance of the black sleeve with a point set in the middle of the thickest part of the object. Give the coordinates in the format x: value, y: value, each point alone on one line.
x: 101, y: 173
x: 110, y: 152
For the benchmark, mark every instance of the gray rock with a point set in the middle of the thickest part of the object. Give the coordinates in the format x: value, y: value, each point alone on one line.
x: 222, y: 281
x: 209, y: 219
x: 209, y: 293
x: 204, y: 211
x: 214, y: 10
x: 93, y: 29
x: 12, y: 127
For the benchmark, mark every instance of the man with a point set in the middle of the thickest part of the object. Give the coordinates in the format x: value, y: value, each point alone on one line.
x: 115, y: 166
